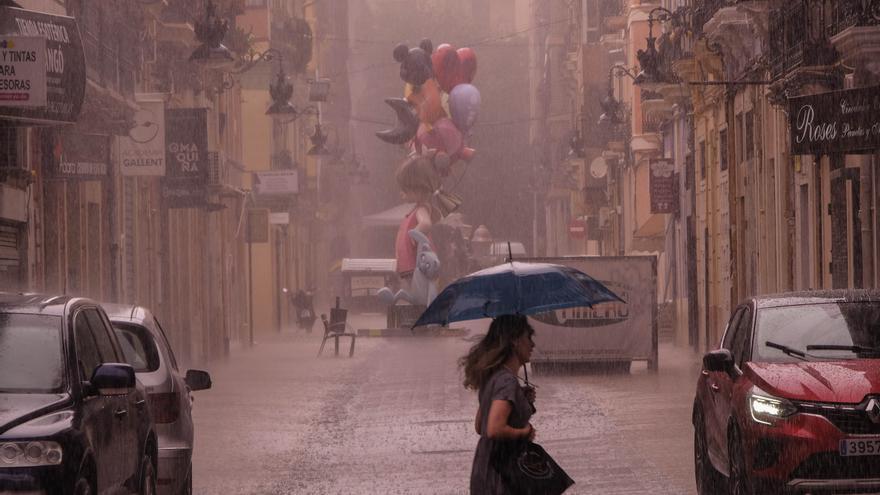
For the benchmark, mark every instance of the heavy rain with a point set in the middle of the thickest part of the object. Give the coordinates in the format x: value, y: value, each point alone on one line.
x: 439, y: 247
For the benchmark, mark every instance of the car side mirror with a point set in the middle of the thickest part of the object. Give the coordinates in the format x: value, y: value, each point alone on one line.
x: 112, y: 379
x: 198, y: 380
x: 718, y: 360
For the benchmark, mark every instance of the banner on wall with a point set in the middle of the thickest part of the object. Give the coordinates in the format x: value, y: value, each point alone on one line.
x: 186, y: 157
x: 846, y: 121
x: 663, y: 186
x: 142, y: 152
x: 63, y: 66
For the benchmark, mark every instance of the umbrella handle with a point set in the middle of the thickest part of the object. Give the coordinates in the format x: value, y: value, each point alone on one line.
x: 526, y: 373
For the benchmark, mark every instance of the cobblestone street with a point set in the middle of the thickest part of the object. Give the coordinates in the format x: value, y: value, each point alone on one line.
x: 395, y: 419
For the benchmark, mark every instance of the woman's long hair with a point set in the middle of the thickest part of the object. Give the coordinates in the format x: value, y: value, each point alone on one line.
x: 490, y: 353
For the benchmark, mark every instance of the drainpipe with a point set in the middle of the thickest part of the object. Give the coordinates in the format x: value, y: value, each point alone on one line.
x: 866, y: 206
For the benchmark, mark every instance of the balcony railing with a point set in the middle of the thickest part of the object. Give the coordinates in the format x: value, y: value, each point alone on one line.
x: 705, y: 10
x: 853, y: 13
x: 787, y: 39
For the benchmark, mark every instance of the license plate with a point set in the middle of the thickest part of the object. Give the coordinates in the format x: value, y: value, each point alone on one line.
x: 854, y: 447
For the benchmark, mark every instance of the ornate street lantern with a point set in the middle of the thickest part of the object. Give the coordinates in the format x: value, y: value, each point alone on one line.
x: 210, y: 32
x: 319, y: 140
x: 281, y: 92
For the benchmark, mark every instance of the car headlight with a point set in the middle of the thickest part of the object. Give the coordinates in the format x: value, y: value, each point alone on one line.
x: 30, y: 454
x: 767, y: 409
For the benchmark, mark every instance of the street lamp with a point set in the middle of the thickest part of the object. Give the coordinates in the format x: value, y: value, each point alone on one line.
x: 210, y: 31
x: 650, y: 77
x: 611, y: 108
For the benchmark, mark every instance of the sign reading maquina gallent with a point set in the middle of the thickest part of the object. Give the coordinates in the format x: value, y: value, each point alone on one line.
x: 846, y: 121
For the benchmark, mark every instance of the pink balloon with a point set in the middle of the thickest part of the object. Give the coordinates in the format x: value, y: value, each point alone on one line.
x: 443, y: 136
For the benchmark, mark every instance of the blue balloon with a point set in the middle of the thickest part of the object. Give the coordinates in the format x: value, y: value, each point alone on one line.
x: 464, y: 105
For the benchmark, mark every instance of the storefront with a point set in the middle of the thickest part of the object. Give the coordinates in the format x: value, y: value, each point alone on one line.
x: 838, y: 133
x: 42, y: 87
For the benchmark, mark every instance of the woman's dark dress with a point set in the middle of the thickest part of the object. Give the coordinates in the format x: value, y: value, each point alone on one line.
x: 502, y: 385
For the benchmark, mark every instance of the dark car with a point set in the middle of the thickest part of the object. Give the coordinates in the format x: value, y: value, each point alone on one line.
x: 72, y: 418
x: 168, y: 392
x: 791, y: 400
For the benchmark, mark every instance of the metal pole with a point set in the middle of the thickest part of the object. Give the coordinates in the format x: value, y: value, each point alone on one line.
x: 250, y: 285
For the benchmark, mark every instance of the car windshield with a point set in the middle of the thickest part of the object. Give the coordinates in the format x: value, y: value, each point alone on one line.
x: 833, y: 331
x: 31, y: 355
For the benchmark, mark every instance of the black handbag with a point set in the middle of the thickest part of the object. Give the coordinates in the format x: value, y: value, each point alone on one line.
x: 527, y: 469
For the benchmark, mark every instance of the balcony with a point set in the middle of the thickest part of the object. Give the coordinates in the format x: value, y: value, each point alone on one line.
x: 176, y: 23
x: 792, y: 47
x: 855, y: 31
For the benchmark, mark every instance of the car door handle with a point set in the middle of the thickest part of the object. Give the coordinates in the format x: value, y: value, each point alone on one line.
x: 714, y: 387
x: 120, y: 413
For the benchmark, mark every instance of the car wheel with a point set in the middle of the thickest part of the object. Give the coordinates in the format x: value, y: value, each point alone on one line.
x: 148, y: 477
x: 709, y: 480
x: 738, y: 481
x: 82, y: 486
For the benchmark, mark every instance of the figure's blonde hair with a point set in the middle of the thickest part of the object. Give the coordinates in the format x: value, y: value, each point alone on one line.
x: 416, y: 174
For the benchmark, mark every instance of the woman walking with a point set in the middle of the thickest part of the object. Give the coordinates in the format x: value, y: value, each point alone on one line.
x: 505, y: 407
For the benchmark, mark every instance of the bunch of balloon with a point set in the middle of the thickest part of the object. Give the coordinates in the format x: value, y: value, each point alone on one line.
x: 440, y: 103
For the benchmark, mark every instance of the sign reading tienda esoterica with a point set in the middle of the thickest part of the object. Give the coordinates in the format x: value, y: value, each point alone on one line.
x: 22, y: 71
x: 62, y: 62
x: 846, y: 121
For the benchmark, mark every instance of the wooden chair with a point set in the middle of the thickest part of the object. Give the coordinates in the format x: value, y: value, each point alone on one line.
x: 335, y: 328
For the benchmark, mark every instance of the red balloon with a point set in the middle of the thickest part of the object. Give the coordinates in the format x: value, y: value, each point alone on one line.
x: 446, y: 64
x: 467, y: 64
x: 453, y: 67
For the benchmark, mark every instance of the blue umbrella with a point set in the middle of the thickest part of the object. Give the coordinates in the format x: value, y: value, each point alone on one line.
x: 515, y: 288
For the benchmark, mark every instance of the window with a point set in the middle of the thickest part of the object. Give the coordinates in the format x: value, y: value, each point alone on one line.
x: 167, y: 345
x: 738, y: 136
x: 722, y: 148
x: 741, y: 341
x: 9, y: 147
x: 138, y: 347
x: 102, y: 338
x: 254, y: 3
x: 703, y: 160
x: 86, y: 350
x: 731, y: 330
x: 31, y: 354
x: 750, y: 135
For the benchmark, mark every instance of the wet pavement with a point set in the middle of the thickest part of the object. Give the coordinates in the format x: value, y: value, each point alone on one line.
x: 395, y: 419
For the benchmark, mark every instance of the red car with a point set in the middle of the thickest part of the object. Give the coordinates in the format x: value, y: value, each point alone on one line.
x: 790, y: 402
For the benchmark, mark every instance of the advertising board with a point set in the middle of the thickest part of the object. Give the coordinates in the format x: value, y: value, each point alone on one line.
x: 63, y: 63
x: 607, y: 332
x: 22, y: 71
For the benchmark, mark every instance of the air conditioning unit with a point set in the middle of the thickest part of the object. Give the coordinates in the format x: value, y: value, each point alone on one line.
x: 217, y: 171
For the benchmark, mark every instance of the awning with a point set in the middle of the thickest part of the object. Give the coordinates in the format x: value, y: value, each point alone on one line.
x: 388, y: 218
x: 66, y: 70
x: 369, y: 265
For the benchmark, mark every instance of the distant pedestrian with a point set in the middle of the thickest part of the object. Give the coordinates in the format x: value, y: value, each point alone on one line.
x: 505, y: 407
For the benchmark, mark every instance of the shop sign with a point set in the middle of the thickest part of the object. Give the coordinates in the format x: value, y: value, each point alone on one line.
x: 846, y: 121
x: 577, y: 228
x: 142, y: 151
x: 186, y: 157
x: 63, y: 63
x: 257, y: 231
x: 22, y: 71
x: 279, y: 218
x: 276, y: 182
x: 75, y: 156
x: 664, y: 193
